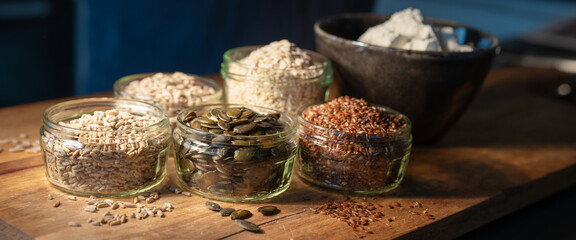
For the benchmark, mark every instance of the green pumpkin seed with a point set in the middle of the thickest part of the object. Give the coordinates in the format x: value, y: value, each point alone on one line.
x: 223, y: 125
x: 224, y: 212
x: 215, y: 112
x: 206, y: 120
x: 268, y: 210
x: 213, y: 206
x: 241, y: 129
x: 246, y: 114
x: 224, y: 117
x: 236, y: 122
x: 189, y: 117
x: 265, y: 124
x: 216, y: 131
x: 240, y: 214
x: 248, y: 225
x: 244, y: 154
x: 274, y: 116
x: 260, y: 119
x: 233, y: 113
x: 223, y: 160
x: 257, y: 133
x: 209, y: 126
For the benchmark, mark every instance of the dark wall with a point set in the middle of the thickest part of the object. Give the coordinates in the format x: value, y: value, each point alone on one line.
x: 57, y: 48
x: 35, y: 50
x: 118, y: 38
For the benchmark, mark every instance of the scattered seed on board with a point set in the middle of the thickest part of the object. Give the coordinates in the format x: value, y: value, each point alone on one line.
x: 129, y: 205
x: 240, y: 214
x: 213, y: 206
x: 268, y: 210
x: 226, y: 211
x: 50, y: 197
x: 73, y: 198
x: 90, y: 208
x: 74, y: 224
x: 248, y: 225
x: 57, y: 204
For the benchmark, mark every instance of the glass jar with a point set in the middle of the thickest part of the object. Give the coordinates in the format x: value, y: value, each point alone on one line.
x: 88, y: 162
x: 285, y: 90
x: 233, y: 167
x: 171, y: 91
x: 353, y: 162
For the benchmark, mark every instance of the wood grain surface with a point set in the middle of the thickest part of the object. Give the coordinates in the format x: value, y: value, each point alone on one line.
x: 516, y: 144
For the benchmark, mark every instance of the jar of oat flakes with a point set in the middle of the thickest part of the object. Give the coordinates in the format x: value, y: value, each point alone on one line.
x: 235, y: 153
x: 279, y: 75
x: 354, y: 147
x: 171, y: 91
x: 105, y: 146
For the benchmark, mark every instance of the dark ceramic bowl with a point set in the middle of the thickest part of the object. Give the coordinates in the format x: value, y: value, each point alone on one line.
x: 432, y: 88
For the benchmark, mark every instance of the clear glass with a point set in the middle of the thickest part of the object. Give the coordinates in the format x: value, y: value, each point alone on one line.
x: 104, y: 163
x: 285, y: 90
x: 235, y: 168
x: 353, y: 163
x: 176, y: 102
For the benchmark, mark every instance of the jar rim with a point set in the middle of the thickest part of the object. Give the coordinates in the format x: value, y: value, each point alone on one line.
x: 402, y: 132
x: 120, y: 84
x: 103, y: 102
x: 290, y: 130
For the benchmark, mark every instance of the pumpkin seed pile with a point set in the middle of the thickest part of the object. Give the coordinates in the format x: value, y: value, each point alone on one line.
x: 235, y: 121
x: 237, y: 153
x: 240, y: 215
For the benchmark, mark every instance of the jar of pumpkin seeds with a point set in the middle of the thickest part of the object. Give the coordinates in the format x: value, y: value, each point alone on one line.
x: 235, y: 153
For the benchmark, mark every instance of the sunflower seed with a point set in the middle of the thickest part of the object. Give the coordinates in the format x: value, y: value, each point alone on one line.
x: 74, y: 224
x: 90, y: 208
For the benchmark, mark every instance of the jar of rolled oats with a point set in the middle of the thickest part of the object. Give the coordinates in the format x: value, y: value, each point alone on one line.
x: 279, y: 75
x: 236, y: 153
x: 351, y: 146
x: 171, y: 91
x: 105, y: 146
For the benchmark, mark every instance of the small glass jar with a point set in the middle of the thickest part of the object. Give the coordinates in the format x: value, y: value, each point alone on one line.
x: 285, y: 90
x: 235, y: 168
x: 353, y: 162
x: 172, y: 91
x: 104, y: 163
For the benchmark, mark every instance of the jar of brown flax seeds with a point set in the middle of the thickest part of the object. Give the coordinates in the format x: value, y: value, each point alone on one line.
x: 105, y: 146
x: 350, y: 146
x: 279, y: 75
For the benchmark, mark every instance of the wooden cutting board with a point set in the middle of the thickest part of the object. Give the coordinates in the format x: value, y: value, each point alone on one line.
x: 515, y: 145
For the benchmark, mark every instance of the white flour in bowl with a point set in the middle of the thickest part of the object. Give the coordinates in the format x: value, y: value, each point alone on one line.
x: 406, y: 30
